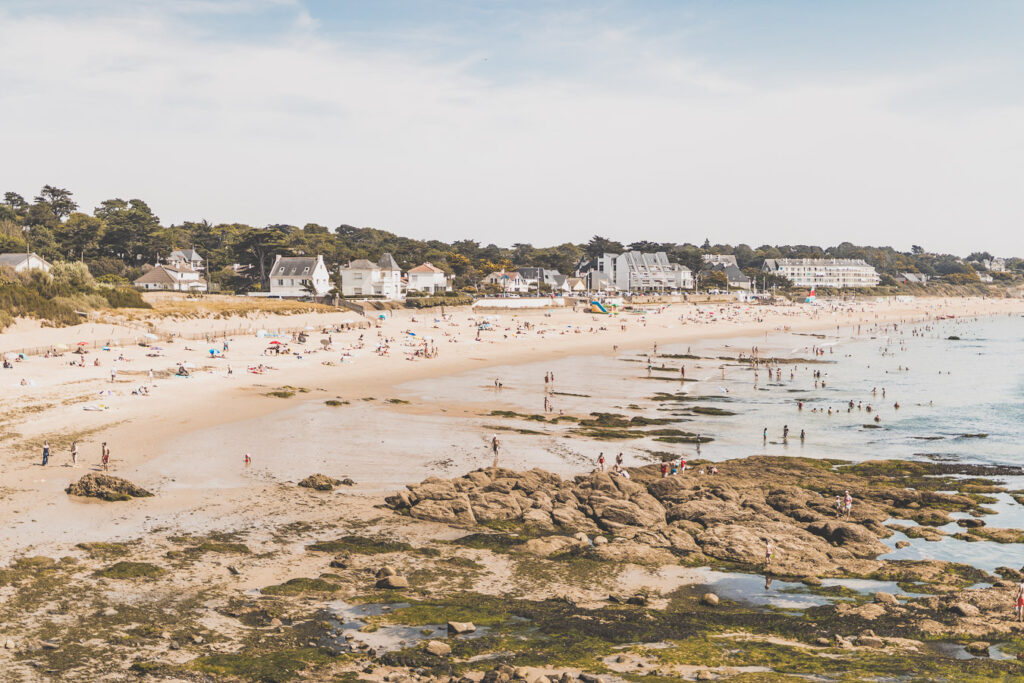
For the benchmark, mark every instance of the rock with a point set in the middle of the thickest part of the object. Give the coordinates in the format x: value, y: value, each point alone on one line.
x: 637, y: 553
x: 870, y: 641
x: 566, y: 678
x: 104, y: 487
x: 970, y: 523
x: 320, y: 482
x: 964, y: 609
x: 275, y: 622
x: 902, y: 544
x: 110, y: 612
x: 703, y: 675
x: 456, y: 510
x: 549, y: 545
x: 393, y: 582
x: 439, y: 649
x: 341, y: 562
x: 823, y: 642
x: 612, y: 513
x: 589, y: 678
x: 843, y: 643
x: 709, y: 599
x: 886, y: 598
x: 197, y: 639
x: 853, y: 537
x: 582, y: 538
x: 461, y: 627
x: 9, y: 644
x: 174, y: 645
x: 600, y: 540
x: 638, y: 599
x: 978, y: 648
x: 386, y: 570
x: 233, y: 570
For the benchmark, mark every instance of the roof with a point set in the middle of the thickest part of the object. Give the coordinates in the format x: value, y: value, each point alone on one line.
x: 12, y: 259
x: 732, y: 272
x: 294, y: 265
x: 157, y: 275
x: 361, y: 264
x: 186, y: 254
x: 426, y: 268
x: 387, y: 262
x: 779, y: 262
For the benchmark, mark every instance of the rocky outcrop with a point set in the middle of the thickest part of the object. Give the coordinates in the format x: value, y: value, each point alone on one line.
x: 320, y: 482
x: 104, y: 487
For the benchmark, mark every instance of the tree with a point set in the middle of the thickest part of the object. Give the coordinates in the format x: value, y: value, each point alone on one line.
x: 261, y: 245
x: 714, y: 279
x: 16, y: 202
x: 58, y: 200
x: 916, y: 249
x: 598, y: 246
x: 129, y: 226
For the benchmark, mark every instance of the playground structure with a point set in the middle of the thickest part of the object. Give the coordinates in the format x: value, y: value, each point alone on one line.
x: 608, y: 307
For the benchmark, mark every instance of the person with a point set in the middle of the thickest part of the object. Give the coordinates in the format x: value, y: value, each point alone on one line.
x: 1018, y: 607
x: 838, y: 506
x: 74, y: 454
x: 802, y: 435
x: 675, y: 468
x: 618, y: 460
x: 764, y: 434
x: 664, y: 469
x: 713, y: 470
x: 682, y: 464
x: 600, y: 461
x: 785, y: 432
x: 105, y: 458
x: 248, y: 460
x: 46, y: 452
x: 113, y: 375
x: 769, y: 551
x: 495, y: 445
x: 847, y: 505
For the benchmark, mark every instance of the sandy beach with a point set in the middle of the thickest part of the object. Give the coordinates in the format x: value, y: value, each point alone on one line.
x: 149, y: 434
x: 185, y: 438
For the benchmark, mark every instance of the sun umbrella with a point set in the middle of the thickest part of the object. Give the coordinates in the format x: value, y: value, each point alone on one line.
x: 83, y: 343
x: 274, y: 342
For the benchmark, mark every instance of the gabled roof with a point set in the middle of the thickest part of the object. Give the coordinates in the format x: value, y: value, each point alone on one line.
x: 361, y: 264
x: 294, y: 265
x: 387, y: 262
x: 16, y: 259
x: 157, y: 275
x: 426, y: 268
x: 186, y: 254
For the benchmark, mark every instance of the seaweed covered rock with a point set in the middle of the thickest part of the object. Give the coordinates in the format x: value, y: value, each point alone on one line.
x: 105, y: 487
x: 320, y: 482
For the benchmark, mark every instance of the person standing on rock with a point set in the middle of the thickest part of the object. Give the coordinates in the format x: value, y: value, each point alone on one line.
x: 769, y: 551
x: 600, y: 461
x: 105, y: 457
x: 46, y: 452
x: 618, y: 461
x: 847, y: 505
x: 838, y: 506
x: 1018, y: 607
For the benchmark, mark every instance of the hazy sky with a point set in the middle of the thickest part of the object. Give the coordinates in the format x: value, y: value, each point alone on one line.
x: 509, y: 121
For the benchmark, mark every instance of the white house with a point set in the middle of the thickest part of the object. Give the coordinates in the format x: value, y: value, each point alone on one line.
x: 427, y: 278
x: 363, y: 277
x: 824, y: 272
x: 23, y: 262
x: 536, y: 276
x: 185, y: 258
x: 171, y: 279
x: 299, y: 276
x: 507, y: 281
x: 636, y: 271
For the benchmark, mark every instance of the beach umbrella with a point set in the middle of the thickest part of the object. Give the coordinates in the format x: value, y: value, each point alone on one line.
x: 382, y: 316
x: 274, y: 342
x: 83, y: 343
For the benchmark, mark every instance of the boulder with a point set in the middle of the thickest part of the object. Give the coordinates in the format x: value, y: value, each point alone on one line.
x: 964, y: 609
x: 104, y: 487
x: 870, y: 641
x: 461, y: 627
x: 320, y: 482
x: 539, y: 518
x: 612, y: 513
x: 454, y: 510
x: 886, y: 598
x: 853, y: 537
x: 437, y: 648
x: 978, y: 648
x: 709, y: 599
x: 547, y: 546
x: 393, y: 582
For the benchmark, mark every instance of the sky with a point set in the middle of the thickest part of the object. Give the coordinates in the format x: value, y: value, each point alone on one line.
x: 785, y: 122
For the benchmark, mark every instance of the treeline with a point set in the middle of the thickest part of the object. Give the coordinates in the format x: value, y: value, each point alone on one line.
x: 120, y: 236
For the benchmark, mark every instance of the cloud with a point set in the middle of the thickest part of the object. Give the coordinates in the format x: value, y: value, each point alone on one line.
x: 631, y: 137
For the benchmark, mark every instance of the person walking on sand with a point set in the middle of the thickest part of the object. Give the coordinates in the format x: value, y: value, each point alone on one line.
x: 764, y: 435
x: 247, y: 460
x: 46, y: 452
x: 113, y: 375
x: 74, y: 454
x: 495, y: 445
x: 105, y: 457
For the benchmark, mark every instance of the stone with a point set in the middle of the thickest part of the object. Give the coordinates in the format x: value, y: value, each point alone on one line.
x: 386, y: 570
x: 275, y: 622
x: 637, y: 553
x: 582, y: 538
x: 320, y: 482
x: 174, y: 645
x: 197, y: 639
x: 110, y: 612
x: 704, y: 675
x: 870, y: 641
x: 970, y: 523
x: 439, y: 649
x: 104, y: 487
x: 709, y: 599
x: 843, y: 643
x: 978, y: 648
x: 455, y: 510
x: 549, y: 545
x: 886, y: 598
x: 589, y: 678
x: 393, y: 582
x: 638, y: 599
x: 600, y: 540
x: 461, y: 627
x: 964, y: 609
x: 823, y: 642
x: 853, y: 537
x: 9, y: 644
x: 341, y: 562
x: 902, y: 544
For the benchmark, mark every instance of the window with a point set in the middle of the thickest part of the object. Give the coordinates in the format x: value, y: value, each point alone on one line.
x: 305, y: 270
x: 280, y: 283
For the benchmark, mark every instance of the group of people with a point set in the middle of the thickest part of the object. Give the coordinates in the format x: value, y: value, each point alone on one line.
x: 104, y: 455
